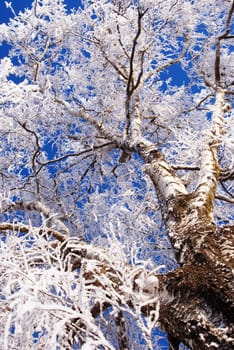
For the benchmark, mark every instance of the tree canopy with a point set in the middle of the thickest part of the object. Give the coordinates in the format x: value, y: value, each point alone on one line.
x: 116, y: 175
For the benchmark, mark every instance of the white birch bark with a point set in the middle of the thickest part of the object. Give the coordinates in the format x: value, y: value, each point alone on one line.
x: 210, y: 169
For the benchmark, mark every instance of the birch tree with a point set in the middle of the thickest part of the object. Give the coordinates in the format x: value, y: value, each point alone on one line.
x: 116, y: 175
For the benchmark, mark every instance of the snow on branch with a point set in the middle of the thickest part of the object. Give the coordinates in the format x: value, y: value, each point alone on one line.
x: 51, y: 219
x: 161, y: 173
x: 210, y: 169
x: 17, y: 227
x: 83, y: 114
x: 58, y: 292
x: 221, y: 37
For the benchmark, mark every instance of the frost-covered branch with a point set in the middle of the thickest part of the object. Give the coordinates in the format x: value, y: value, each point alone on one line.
x: 210, y: 169
x: 80, y: 282
x: 50, y: 218
x: 7, y: 226
x: 221, y: 37
x: 81, y: 113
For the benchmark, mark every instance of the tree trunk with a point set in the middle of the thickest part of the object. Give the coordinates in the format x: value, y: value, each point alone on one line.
x: 197, y: 301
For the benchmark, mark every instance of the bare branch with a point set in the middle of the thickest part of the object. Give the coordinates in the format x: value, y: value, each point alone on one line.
x: 226, y: 190
x: 35, y: 156
x: 224, y: 198
x: 185, y: 167
x: 70, y: 155
x: 132, y: 85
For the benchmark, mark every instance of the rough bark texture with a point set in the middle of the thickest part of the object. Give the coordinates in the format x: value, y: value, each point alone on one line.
x: 201, y: 303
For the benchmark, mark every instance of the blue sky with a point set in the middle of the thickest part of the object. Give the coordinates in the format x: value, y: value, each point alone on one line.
x: 20, y: 5
x: 6, y: 13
